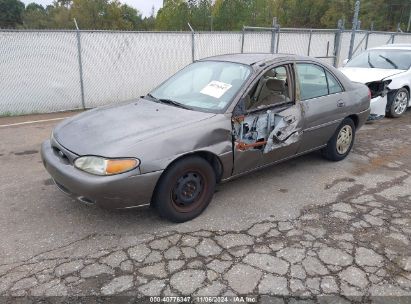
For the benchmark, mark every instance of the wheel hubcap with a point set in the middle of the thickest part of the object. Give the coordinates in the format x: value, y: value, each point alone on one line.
x: 187, y: 189
x: 344, y: 139
x: 400, y: 103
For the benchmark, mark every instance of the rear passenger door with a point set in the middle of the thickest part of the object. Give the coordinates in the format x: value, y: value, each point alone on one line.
x: 323, y: 102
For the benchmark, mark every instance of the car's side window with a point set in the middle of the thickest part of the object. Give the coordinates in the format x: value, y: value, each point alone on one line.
x: 312, y: 81
x: 333, y: 85
x: 271, y: 89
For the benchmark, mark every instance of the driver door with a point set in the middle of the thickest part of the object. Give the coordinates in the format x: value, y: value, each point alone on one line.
x: 269, y: 129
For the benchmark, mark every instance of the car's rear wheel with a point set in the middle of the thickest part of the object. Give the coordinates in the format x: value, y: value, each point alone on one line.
x: 398, y: 102
x: 339, y: 146
x: 185, y: 189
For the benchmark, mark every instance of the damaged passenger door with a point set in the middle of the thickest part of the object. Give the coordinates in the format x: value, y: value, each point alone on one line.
x: 267, y: 121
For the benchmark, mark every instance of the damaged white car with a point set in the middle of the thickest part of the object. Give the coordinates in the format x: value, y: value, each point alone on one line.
x: 386, y: 71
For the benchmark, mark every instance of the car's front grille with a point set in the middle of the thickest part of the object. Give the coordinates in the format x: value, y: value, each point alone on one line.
x: 61, y: 155
x: 66, y: 157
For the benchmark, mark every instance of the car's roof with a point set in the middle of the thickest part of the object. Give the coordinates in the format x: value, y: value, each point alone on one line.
x: 250, y: 58
x: 398, y: 46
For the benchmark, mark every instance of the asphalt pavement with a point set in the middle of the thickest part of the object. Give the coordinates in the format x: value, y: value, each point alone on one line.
x: 306, y: 227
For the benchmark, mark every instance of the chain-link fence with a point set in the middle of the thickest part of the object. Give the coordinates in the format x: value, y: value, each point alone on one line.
x: 48, y: 71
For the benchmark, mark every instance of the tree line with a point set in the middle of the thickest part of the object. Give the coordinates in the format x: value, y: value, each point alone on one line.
x: 203, y: 15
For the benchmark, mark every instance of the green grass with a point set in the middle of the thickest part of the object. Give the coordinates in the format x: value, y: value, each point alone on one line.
x: 8, y: 114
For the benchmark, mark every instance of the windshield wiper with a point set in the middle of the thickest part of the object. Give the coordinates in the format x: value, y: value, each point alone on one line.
x: 389, y: 61
x: 369, y: 61
x: 169, y: 101
x: 152, y: 97
x: 174, y: 103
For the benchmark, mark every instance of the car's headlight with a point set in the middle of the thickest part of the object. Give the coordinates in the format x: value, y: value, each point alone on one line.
x: 104, y: 166
x: 379, y: 88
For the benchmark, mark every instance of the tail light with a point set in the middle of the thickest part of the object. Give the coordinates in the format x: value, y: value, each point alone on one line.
x: 369, y: 94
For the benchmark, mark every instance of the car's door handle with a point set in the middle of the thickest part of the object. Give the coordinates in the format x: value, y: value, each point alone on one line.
x: 340, y: 103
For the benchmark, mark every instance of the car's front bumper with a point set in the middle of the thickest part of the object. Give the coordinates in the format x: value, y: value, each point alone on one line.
x: 115, y: 192
x: 378, y: 107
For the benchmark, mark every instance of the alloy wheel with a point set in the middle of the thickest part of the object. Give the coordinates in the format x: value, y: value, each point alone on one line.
x: 400, y: 103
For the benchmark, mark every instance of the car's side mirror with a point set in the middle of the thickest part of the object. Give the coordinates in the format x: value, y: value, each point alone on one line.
x: 345, y: 61
x: 240, y: 108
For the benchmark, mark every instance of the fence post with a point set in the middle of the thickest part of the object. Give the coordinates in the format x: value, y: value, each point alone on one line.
x: 337, y: 42
x: 192, y: 42
x: 80, y: 64
x: 278, y: 38
x: 242, y: 40
x: 309, y: 42
x: 354, y: 28
x: 273, y: 35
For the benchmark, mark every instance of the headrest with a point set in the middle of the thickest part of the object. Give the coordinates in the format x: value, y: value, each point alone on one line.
x: 270, y: 73
x: 276, y: 85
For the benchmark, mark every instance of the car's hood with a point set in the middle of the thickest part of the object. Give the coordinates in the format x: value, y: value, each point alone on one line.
x: 111, y: 131
x: 365, y: 75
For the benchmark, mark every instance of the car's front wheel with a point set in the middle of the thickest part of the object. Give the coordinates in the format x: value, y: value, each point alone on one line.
x: 185, y: 189
x: 398, y: 102
x: 339, y: 146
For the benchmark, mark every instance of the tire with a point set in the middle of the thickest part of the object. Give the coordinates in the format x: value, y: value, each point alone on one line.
x: 185, y: 189
x: 397, y: 103
x: 337, y: 147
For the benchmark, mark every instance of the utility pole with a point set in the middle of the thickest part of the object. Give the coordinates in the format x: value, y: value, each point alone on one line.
x: 211, y: 21
x: 354, y: 27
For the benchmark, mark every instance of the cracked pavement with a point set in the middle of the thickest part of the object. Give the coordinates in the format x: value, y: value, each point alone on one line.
x: 342, y: 229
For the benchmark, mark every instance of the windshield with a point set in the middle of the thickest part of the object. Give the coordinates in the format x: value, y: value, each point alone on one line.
x: 382, y: 59
x: 205, y: 85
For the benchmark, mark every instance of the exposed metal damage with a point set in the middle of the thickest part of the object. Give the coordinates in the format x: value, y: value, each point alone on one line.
x: 378, y: 88
x: 266, y: 131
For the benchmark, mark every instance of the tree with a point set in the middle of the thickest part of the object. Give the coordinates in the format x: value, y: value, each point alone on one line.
x: 149, y: 23
x: 11, y: 13
x: 89, y: 13
x: 337, y: 10
x: 231, y: 14
x: 173, y: 16
x: 59, y: 17
x: 131, y: 17
x: 201, y: 15
x: 105, y: 14
x: 35, y: 17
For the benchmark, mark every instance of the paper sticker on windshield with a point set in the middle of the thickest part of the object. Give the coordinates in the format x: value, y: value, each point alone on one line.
x: 216, y: 89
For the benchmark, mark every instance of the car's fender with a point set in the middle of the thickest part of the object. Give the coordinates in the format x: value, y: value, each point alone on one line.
x: 399, y: 81
x: 213, y: 136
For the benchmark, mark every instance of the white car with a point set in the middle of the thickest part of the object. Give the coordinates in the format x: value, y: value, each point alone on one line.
x: 386, y: 71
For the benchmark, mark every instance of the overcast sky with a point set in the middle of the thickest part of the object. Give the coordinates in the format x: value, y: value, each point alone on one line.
x: 144, y: 6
